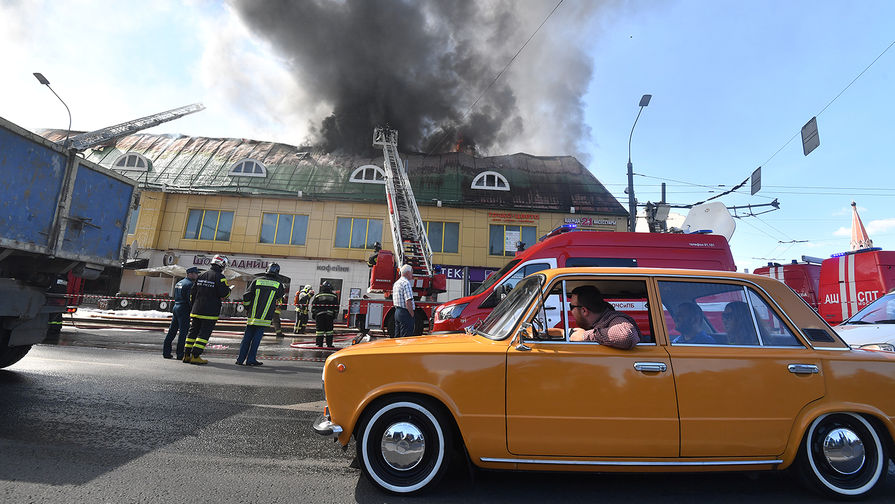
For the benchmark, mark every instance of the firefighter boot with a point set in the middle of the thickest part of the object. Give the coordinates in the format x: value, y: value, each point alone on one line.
x: 198, y: 360
x: 187, y: 358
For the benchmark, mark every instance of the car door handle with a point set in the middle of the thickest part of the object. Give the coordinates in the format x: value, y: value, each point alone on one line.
x: 650, y: 367
x: 803, y: 369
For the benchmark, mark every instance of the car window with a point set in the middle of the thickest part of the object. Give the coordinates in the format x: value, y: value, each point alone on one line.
x: 503, y: 318
x: 708, y: 313
x: 881, y: 311
x: 626, y: 296
x: 773, y: 331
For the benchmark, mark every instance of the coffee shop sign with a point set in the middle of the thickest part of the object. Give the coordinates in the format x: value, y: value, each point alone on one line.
x: 260, y: 264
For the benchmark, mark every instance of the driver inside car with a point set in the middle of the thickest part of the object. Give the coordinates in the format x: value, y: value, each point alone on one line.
x: 607, y: 326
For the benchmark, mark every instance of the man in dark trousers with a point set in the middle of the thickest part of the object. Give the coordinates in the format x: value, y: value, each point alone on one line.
x: 180, y: 319
x: 324, y: 308
x: 206, y: 295
x: 260, y: 301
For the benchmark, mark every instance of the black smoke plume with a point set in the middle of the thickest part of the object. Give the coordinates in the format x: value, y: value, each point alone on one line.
x: 417, y: 66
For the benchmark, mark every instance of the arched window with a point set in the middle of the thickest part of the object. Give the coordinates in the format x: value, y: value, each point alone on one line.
x: 490, y: 181
x: 368, y: 174
x: 248, y: 168
x: 131, y: 161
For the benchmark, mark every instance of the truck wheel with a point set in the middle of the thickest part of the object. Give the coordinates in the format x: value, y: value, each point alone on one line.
x: 404, y: 445
x: 842, y: 456
x: 10, y: 355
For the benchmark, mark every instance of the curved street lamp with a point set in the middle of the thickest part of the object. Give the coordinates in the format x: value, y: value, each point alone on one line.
x: 43, y: 80
x: 632, y: 202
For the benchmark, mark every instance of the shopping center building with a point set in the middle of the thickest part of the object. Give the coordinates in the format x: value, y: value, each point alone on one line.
x: 318, y: 214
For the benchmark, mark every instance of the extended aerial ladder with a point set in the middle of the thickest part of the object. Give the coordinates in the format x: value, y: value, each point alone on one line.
x: 408, y: 231
x: 93, y: 138
x: 411, y: 247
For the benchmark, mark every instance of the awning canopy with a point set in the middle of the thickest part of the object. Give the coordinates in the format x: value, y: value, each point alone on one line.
x: 175, y: 270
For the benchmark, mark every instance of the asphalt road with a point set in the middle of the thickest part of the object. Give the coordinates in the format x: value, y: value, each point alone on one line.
x: 101, y: 417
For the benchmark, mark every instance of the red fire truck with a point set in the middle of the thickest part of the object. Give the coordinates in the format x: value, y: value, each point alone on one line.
x: 801, y: 276
x: 844, y: 283
x: 567, y: 247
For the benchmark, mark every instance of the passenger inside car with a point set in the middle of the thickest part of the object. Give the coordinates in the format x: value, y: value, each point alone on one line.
x: 689, y: 322
x: 739, y: 324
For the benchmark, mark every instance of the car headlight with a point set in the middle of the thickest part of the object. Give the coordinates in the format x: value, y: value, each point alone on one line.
x: 885, y: 347
x: 451, y: 311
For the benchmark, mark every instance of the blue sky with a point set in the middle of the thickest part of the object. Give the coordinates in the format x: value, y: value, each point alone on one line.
x: 732, y: 82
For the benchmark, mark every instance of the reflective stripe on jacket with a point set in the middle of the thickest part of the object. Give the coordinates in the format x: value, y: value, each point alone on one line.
x: 260, y: 300
x: 324, y: 303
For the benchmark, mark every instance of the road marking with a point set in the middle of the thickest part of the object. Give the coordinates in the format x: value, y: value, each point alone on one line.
x: 308, y: 406
x: 76, y: 361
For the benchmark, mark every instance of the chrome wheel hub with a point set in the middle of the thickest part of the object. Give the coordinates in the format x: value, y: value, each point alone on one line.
x: 403, y: 446
x: 844, y: 451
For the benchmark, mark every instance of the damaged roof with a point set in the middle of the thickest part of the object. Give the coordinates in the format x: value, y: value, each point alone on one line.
x: 197, y: 164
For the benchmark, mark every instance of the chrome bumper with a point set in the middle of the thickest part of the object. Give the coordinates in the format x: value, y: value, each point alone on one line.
x: 324, y: 426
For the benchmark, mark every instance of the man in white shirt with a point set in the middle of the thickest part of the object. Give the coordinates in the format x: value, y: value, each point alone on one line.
x: 402, y: 297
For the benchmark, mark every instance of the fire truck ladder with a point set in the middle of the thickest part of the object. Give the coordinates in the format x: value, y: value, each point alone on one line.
x: 408, y: 231
x: 93, y: 138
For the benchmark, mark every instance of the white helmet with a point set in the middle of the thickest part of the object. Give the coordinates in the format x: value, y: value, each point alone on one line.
x: 220, y: 260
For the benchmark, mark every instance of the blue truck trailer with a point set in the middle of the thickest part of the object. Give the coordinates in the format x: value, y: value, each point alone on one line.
x: 59, y: 213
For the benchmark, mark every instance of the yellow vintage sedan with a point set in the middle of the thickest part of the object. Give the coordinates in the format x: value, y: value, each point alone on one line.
x: 728, y: 371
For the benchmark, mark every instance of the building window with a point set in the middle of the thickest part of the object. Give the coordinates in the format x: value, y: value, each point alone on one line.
x: 368, y: 174
x: 248, y: 168
x: 208, y: 225
x: 284, y: 229
x: 490, y: 181
x: 443, y: 236
x: 131, y: 162
x: 357, y: 233
x: 503, y: 238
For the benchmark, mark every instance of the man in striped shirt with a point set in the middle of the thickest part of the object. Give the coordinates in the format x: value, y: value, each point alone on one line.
x: 599, y: 322
x: 402, y: 297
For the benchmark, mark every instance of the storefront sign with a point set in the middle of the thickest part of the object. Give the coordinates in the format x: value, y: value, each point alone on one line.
x: 453, y: 272
x: 333, y: 268
x: 509, y: 217
x: 589, y: 221
x: 243, y: 264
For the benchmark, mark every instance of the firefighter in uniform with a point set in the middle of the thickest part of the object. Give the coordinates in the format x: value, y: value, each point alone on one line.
x: 180, y: 318
x: 55, y: 298
x: 260, y: 301
x: 280, y: 304
x: 206, y: 295
x: 324, y: 309
x: 302, y: 298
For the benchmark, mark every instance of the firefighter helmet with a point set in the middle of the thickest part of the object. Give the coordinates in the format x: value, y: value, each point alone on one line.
x: 326, y: 287
x: 220, y: 260
x: 273, y: 269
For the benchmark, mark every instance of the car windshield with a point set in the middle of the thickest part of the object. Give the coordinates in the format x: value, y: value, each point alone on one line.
x: 881, y: 311
x: 506, y: 314
x: 494, y: 277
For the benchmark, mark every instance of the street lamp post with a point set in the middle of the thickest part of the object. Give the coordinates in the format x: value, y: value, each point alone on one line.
x: 632, y: 202
x: 43, y: 80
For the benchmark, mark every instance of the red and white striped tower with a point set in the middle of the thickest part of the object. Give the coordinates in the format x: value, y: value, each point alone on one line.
x: 859, y: 238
